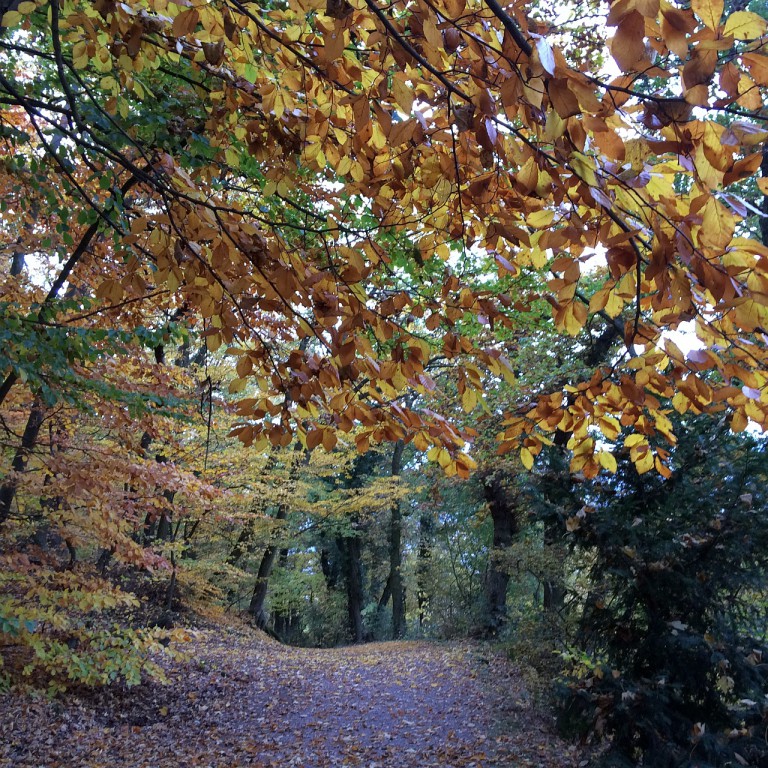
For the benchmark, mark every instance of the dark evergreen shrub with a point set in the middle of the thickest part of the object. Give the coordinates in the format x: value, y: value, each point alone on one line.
x: 672, y: 659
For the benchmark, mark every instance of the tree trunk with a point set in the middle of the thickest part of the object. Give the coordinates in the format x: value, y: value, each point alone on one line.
x: 164, y: 525
x: 28, y: 442
x: 243, y: 543
x: 424, y: 557
x: 559, y: 492
x: 170, y: 590
x: 329, y: 565
x: 505, y: 527
x: 554, y: 589
x: 103, y: 561
x: 282, y: 616
x: 396, y: 553
x: 17, y: 263
x: 353, y: 576
x: 256, y: 606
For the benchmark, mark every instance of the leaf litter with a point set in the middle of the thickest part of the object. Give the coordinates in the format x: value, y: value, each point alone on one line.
x: 241, y: 699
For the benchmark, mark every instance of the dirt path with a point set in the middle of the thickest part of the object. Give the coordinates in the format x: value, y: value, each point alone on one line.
x: 243, y: 703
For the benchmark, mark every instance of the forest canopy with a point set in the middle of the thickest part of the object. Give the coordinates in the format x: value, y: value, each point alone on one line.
x: 339, y: 195
x: 273, y: 275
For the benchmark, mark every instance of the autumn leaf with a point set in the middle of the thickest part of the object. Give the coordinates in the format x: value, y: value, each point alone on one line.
x: 745, y: 25
x: 709, y: 11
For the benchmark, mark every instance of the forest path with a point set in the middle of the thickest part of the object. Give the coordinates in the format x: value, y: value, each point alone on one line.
x: 241, y: 701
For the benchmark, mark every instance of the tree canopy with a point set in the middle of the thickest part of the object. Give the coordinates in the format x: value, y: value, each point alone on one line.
x: 343, y: 194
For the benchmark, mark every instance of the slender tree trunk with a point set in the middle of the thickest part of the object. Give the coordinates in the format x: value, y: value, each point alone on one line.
x: 386, y: 594
x: 170, y: 590
x: 49, y: 505
x: 329, y: 566
x: 396, y: 553
x: 20, y: 459
x: 103, y: 561
x: 424, y: 557
x: 256, y: 606
x: 554, y: 590
x: 559, y: 492
x: 282, y: 616
x: 164, y: 525
x: 353, y: 576
x: 505, y: 527
x: 242, y: 545
x: 244, y: 539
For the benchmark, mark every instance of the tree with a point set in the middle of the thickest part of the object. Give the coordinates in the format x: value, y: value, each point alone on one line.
x: 345, y: 197
x: 674, y: 618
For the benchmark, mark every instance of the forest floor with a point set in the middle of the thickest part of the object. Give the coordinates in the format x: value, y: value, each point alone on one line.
x: 243, y: 700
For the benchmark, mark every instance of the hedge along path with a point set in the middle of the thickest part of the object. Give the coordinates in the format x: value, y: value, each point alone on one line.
x: 237, y: 702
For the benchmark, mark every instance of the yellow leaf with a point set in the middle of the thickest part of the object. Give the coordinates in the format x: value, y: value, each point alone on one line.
x: 615, y: 304
x: 508, y: 373
x: 745, y: 25
x: 469, y: 400
x: 11, y: 19
x: 751, y: 314
x: 403, y: 95
x: 571, y: 318
x: 584, y: 168
x: 644, y: 462
x: 540, y: 219
x: 709, y: 11
x: 739, y: 422
x: 681, y: 403
x: 358, y: 174
x: 345, y: 164
x: 717, y: 225
x: 526, y: 457
x: 598, y: 300
x: 609, y: 426
x: 607, y: 461
x: 294, y: 32
x: 432, y: 34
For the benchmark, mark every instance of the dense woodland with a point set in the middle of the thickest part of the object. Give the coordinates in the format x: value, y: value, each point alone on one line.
x: 380, y: 320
